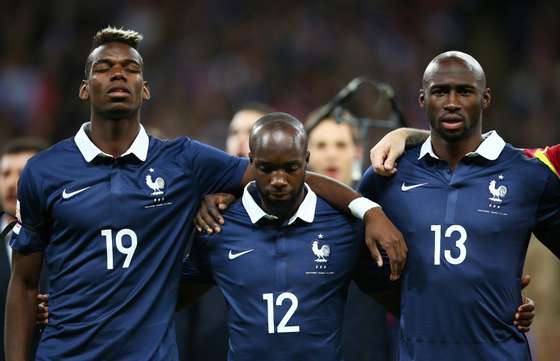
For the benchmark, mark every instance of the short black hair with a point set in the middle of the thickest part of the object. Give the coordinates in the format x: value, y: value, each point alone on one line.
x: 24, y: 145
x: 112, y: 34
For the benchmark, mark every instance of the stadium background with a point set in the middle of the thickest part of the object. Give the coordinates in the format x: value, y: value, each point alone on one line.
x: 206, y: 58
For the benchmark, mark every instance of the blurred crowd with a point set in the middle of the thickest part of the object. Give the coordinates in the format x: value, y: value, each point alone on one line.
x: 206, y: 58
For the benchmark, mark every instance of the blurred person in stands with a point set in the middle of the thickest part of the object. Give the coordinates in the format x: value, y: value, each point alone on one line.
x: 336, y: 151
x: 13, y: 158
x: 237, y: 142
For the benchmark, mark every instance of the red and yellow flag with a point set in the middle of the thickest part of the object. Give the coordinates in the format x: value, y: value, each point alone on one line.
x: 549, y: 156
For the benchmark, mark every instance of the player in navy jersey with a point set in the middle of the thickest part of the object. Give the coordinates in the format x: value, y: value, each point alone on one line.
x: 284, y: 258
x: 109, y: 210
x: 467, y: 204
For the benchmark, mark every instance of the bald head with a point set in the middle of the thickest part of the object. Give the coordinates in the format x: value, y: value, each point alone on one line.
x: 450, y: 58
x: 276, y: 129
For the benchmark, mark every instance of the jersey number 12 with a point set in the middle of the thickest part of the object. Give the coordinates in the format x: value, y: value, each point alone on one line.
x: 283, y: 325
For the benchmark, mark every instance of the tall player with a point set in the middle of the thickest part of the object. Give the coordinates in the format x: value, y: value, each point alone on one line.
x: 467, y: 207
x: 110, y: 209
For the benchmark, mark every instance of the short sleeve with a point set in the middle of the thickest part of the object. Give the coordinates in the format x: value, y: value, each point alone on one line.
x: 32, y: 235
x: 196, y: 264
x: 369, y: 184
x: 215, y: 170
x: 547, y: 227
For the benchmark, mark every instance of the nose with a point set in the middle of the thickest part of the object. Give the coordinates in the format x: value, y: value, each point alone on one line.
x: 278, y: 179
x: 117, y: 73
x: 452, y: 103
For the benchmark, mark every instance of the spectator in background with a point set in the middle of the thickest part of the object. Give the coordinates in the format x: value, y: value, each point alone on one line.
x: 237, y: 142
x: 335, y: 150
x: 13, y: 158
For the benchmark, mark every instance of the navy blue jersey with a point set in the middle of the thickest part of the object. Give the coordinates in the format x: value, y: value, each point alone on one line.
x: 113, y: 233
x: 467, y: 233
x: 285, y: 285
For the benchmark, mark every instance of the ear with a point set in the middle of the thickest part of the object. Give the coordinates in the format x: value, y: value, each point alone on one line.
x: 146, y: 91
x: 421, y: 97
x: 83, y: 93
x: 307, y: 155
x: 251, y: 158
x: 486, y: 98
x: 359, y: 152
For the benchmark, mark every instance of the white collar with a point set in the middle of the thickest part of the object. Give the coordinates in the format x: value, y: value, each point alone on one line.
x: 89, y: 150
x: 305, y: 212
x: 490, y: 148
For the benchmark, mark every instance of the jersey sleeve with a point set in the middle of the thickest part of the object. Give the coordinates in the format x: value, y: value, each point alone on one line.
x: 549, y: 156
x: 215, y: 170
x: 196, y: 264
x: 32, y: 233
x: 368, y: 276
x: 547, y: 228
x: 369, y: 184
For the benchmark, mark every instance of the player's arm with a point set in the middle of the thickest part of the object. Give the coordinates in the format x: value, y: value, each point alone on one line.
x: 385, y: 153
x: 21, y: 305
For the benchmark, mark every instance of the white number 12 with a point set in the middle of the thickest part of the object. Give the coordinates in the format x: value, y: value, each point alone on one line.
x: 282, y: 326
x: 129, y: 251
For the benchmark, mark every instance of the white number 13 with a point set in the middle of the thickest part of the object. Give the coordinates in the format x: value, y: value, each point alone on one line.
x: 460, y: 244
x: 129, y: 251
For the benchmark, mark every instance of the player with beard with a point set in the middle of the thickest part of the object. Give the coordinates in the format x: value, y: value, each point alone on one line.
x: 467, y: 207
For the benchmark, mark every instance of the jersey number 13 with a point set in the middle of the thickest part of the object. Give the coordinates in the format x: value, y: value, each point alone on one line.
x: 455, y: 233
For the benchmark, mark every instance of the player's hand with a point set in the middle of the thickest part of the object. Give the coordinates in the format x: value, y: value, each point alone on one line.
x: 209, y: 215
x: 42, y: 316
x: 385, y: 153
x: 526, y: 311
x: 380, y: 232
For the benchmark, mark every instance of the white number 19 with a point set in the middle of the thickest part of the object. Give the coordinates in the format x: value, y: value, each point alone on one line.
x: 129, y: 251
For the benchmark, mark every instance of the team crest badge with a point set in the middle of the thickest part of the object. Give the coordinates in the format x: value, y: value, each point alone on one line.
x: 156, y: 185
x: 321, y: 252
x: 498, y: 192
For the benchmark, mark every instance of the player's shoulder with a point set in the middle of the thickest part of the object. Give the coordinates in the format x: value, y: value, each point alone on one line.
x: 58, y: 153
x: 524, y: 163
x: 325, y: 213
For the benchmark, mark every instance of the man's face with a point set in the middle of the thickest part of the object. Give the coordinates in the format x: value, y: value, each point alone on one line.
x: 333, y: 150
x: 279, y: 171
x: 11, y: 166
x: 237, y: 142
x: 453, y: 99
x: 115, y: 87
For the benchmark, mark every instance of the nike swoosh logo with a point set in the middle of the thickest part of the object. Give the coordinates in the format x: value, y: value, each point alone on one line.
x: 232, y: 256
x: 406, y: 188
x: 66, y: 195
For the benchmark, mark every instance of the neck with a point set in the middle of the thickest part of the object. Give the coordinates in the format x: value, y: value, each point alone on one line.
x: 454, y: 151
x: 114, y: 137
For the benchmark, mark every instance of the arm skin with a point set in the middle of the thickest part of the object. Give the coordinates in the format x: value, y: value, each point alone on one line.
x: 379, y: 230
x: 21, y: 305
x: 385, y: 153
x: 190, y: 291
